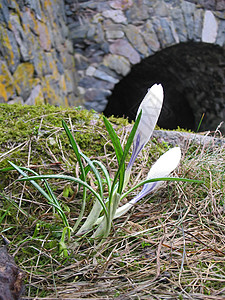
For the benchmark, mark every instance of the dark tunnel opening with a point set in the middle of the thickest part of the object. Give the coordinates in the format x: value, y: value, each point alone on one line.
x: 193, y: 78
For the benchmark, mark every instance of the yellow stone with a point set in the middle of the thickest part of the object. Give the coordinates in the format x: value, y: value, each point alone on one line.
x: 23, y: 79
x: 3, y: 93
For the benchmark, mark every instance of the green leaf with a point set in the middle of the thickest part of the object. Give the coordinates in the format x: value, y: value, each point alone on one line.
x: 70, y: 178
x: 82, y: 169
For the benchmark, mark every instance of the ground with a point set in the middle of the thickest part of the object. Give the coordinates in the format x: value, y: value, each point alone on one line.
x: 169, y: 246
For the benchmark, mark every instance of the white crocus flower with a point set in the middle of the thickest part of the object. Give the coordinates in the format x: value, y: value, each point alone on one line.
x: 150, y: 106
x: 160, y: 169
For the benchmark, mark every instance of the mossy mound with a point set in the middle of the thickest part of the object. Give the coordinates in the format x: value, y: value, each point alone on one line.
x: 33, y: 135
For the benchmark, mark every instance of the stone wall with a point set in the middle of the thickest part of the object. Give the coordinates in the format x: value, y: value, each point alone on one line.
x: 36, y: 55
x: 114, y: 41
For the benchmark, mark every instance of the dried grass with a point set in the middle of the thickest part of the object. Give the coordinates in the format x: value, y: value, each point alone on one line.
x: 170, y: 246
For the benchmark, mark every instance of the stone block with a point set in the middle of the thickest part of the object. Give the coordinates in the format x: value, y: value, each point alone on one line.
x: 116, y: 15
x: 4, y: 12
x: 118, y: 63
x: 44, y: 36
x: 150, y: 36
x: 179, y: 23
x: 133, y: 34
x: 7, y: 89
x: 20, y: 36
x: 23, y: 79
x: 9, y: 48
x: 220, y: 40
x: 123, y: 48
x: 188, y: 11
x: 210, y: 27
x: 36, y: 96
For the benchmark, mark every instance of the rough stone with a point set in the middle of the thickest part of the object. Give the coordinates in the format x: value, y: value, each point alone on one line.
x: 36, y: 96
x: 210, y: 27
x: 150, y: 36
x: 221, y: 34
x: 179, y: 23
x: 94, y: 94
x: 44, y: 37
x: 123, y: 48
x: 20, y: 37
x: 116, y: 15
x: 198, y: 20
x: 135, y: 38
x: 7, y: 89
x: 23, y: 79
x: 117, y: 63
x: 104, y: 76
x: 163, y: 28
x: 9, y: 48
x: 188, y: 11
x: 121, y: 4
x: 4, y: 12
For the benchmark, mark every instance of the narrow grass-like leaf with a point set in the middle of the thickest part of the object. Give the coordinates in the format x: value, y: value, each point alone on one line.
x: 160, y: 179
x: 49, y: 196
x: 82, y: 169
x: 125, y: 153
x: 96, y: 172
x: 70, y: 178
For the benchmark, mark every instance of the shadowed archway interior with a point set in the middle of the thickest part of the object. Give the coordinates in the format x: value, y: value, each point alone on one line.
x: 193, y: 78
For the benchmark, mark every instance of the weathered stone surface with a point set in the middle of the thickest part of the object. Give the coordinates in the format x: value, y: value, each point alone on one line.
x: 11, y: 277
x: 135, y: 38
x: 137, y: 13
x: 9, y: 48
x: 150, y: 36
x: 121, y: 4
x: 188, y: 11
x: 7, y: 89
x: 210, y: 27
x: 165, y: 35
x: 123, y: 48
x: 104, y: 76
x: 23, y: 79
x: 20, y: 37
x: 116, y: 15
x: 117, y: 63
x: 221, y: 34
x: 179, y: 23
x: 198, y: 20
x: 36, y: 96
x: 93, y: 94
x: 4, y: 12
x: 44, y: 37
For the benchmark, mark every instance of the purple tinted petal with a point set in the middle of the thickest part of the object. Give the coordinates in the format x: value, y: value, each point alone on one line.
x: 137, y: 148
x: 147, y: 188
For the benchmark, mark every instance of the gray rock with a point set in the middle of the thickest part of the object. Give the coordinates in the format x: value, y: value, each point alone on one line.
x: 36, y: 96
x: 135, y: 38
x: 94, y: 94
x: 198, y: 21
x: 116, y: 15
x: 117, y: 63
x: 9, y: 48
x: 123, y: 48
x: 163, y: 28
x: 90, y: 82
x: 221, y: 33
x: 150, y: 36
x: 179, y: 23
x: 20, y: 37
x: 210, y: 27
x: 104, y: 76
x: 188, y: 11
x: 4, y: 12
